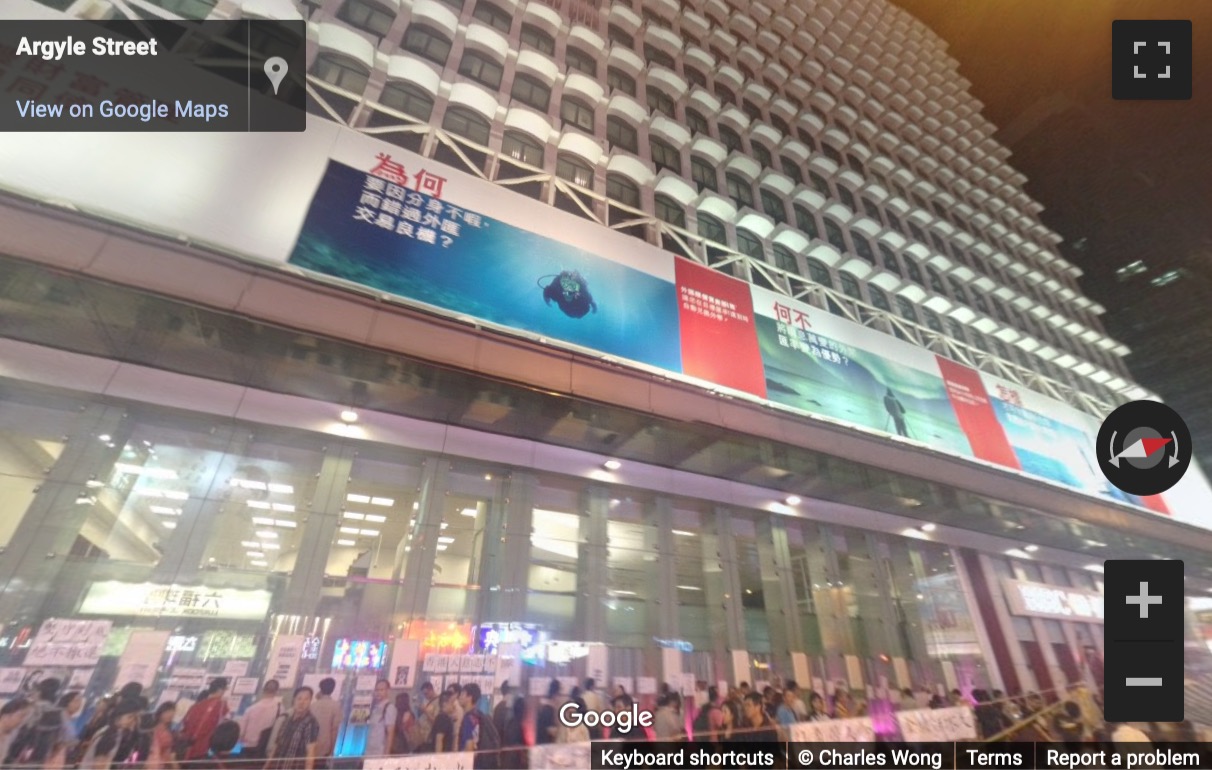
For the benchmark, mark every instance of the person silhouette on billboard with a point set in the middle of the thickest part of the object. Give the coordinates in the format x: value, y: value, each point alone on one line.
x: 896, y: 411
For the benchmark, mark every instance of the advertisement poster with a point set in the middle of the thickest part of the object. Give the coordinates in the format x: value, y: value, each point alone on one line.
x: 859, y: 730
x: 141, y: 658
x: 396, y: 228
x: 68, y: 643
x: 404, y: 662
x: 284, y: 660
x: 942, y: 725
x: 716, y: 319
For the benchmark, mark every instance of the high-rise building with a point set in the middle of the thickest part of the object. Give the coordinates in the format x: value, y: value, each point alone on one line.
x: 715, y: 340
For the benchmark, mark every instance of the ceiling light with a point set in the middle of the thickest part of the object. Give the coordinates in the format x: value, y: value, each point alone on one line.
x: 1030, y: 548
x: 612, y: 465
x: 369, y: 532
x: 690, y: 588
x: 260, y: 505
x: 250, y: 544
x: 472, y: 512
x: 259, y: 563
x: 1095, y: 544
x: 682, y: 533
x: 375, y: 518
x: 268, y: 535
x: 748, y: 590
x: 623, y: 593
x: 105, y: 438
x: 349, y: 530
x: 929, y: 527
x: 285, y: 489
x: 284, y: 507
x: 440, y: 548
x: 793, y: 500
x: 384, y: 501
x: 354, y: 516
x: 358, y: 498
x: 85, y: 500
x: 270, y: 547
x: 169, y: 524
x: 164, y: 510
x: 256, y: 554
x: 142, y: 470
x: 93, y: 483
x: 346, y: 542
x: 262, y: 521
x: 348, y: 416
x: 285, y: 523
x: 1018, y: 553
x: 249, y: 484
x: 488, y: 477
x: 416, y: 505
x: 446, y: 539
x: 1095, y: 568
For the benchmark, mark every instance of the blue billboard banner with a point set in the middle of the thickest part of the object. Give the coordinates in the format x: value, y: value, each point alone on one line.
x: 372, y: 229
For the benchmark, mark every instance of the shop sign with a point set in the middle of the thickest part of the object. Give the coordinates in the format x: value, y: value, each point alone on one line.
x: 1039, y: 600
x: 174, y: 601
x: 63, y: 642
x: 674, y: 644
x: 440, y: 637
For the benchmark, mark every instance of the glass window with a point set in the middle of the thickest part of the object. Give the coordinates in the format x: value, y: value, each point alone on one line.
x: 623, y: 190
x: 956, y: 330
x: 878, y: 297
x: 577, y: 113
x: 618, y: 80
x: 819, y: 272
x: 659, y: 101
x: 665, y: 156
x: 703, y: 173
x: 932, y: 321
x: 480, y: 68
x: 772, y: 204
x: 557, y: 540
x: 657, y: 56
x: 670, y: 211
x: 695, y: 76
x: 833, y: 233
x: 739, y: 189
x: 936, y: 281
x: 806, y: 222
x: 752, y: 110
x: 819, y: 183
x: 711, y: 228
x: 807, y: 138
x: 871, y: 209
x: 574, y: 169
x: 697, y: 123
x: 617, y: 34
x: 523, y: 148
x: 427, y: 43
x: 854, y: 163
x: 888, y: 259
x: 538, y: 39
x: 831, y: 153
x: 621, y: 134
x: 493, y: 16
x: 532, y: 92
x: 761, y: 154
x: 912, y: 270
x: 782, y: 125
x: 749, y: 244
x: 33, y: 434
x: 467, y: 124
x: 725, y: 94
x: 407, y: 98
x: 576, y: 59
x: 367, y: 16
x: 906, y: 309
x: 850, y: 286
x: 792, y: 169
x: 730, y: 138
x: 957, y: 290
x: 863, y: 247
x: 341, y: 71
x: 784, y: 259
x: 846, y: 197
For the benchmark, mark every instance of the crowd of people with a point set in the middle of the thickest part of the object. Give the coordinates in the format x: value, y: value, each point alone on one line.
x: 49, y: 728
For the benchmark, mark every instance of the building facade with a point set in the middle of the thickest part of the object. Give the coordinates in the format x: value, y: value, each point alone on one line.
x: 210, y: 431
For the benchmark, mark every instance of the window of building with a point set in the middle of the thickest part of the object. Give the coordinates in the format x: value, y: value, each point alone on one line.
x: 341, y: 71
x: 819, y: 273
x: 576, y: 59
x: 957, y: 291
x: 833, y: 234
x: 805, y: 220
x: 655, y: 20
x: 574, y: 169
x: 670, y: 211
x: 532, y: 92
x: 623, y: 190
x: 888, y: 259
x: 762, y: 155
x: 749, y: 244
x: 408, y: 99
x: 917, y: 232
x: 906, y: 309
x: 846, y: 197
x: 772, y: 204
x: 538, y: 39
x: 831, y: 153
x: 467, y: 124
x: 523, y: 148
x: 792, y: 169
x: 752, y: 110
x: 366, y: 16
x: 618, y: 80
x: 664, y: 155
x: 784, y: 259
x: 936, y: 281
x: 819, y: 183
x: 697, y: 123
x: 480, y: 68
x: 621, y: 134
x: 703, y: 173
x: 730, y: 138
x: 871, y: 209
x: 620, y: 36
x: 695, y: 76
x: 493, y: 16
x: 575, y: 112
x: 1166, y: 278
x: 739, y: 189
x: 863, y: 247
x: 895, y: 222
x: 657, y: 56
x: 725, y: 94
x: 807, y: 138
x: 1130, y: 269
x: 932, y: 321
x: 659, y: 101
x: 712, y: 229
x: 878, y: 297
x: 782, y: 125
x: 854, y: 163
x: 939, y: 245
x: 427, y: 44
x: 912, y: 270
x: 955, y: 330
x: 850, y: 285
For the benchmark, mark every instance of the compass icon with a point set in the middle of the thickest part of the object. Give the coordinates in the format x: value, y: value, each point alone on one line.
x: 1144, y: 448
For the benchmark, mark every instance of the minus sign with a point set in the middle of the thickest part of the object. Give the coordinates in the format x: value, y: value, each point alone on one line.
x: 1143, y: 681
x: 1144, y: 640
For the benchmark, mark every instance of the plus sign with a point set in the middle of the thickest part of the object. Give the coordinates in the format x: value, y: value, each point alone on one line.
x: 1144, y: 600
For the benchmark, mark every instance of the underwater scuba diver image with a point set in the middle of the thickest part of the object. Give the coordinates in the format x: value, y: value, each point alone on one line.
x: 570, y: 291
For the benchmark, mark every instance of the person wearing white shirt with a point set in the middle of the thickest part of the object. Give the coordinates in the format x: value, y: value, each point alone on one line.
x: 259, y: 718
x: 381, y: 727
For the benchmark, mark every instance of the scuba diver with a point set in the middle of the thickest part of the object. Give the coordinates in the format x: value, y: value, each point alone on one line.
x: 896, y: 410
x: 570, y: 291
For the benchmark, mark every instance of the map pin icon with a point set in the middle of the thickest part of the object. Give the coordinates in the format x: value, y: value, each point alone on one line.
x: 275, y: 68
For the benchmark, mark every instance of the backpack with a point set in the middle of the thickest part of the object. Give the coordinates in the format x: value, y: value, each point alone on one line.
x: 488, y: 747
x: 261, y: 750
x: 36, y: 740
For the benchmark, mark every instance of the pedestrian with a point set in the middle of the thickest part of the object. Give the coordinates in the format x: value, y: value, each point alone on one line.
x: 381, y: 725
x: 257, y: 725
x: 817, y: 711
x: 843, y: 704
x: 442, y: 737
x: 709, y: 718
x: 71, y: 703
x: 44, y: 730
x: 504, y: 707
x: 797, y: 704
x: 119, y: 742
x: 295, y: 745
x: 758, y: 726
x: 624, y: 705
x: 957, y: 698
x: 593, y: 703
x: 431, y: 707
x: 477, y: 733
x: 1068, y: 726
x: 546, y: 724
x: 513, y: 739
x: 327, y: 712
x: 12, y: 717
x: 162, y: 752
x: 667, y: 723
x: 578, y: 733
x: 405, y: 723
x: 785, y: 715
x: 202, y: 719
